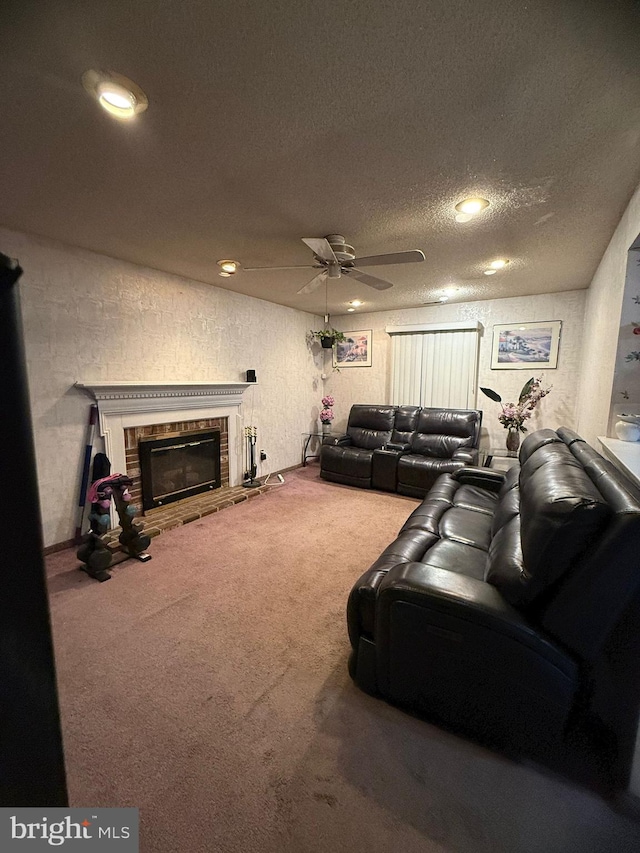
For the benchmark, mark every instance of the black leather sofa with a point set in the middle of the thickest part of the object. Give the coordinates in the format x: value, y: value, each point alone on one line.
x: 508, y: 608
x: 401, y: 448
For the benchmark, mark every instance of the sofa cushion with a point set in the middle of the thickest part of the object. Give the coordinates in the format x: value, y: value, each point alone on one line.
x: 349, y: 462
x: 561, y: 513
x: 440, y: 432
x: 507, y: 507
x: 404, y: 424
x: 505, y: 567
x: 457, y: 557
x: 419, y: 473
x: 535, y: 440
x: 476, y: 498
x: 427, y: 516
x: 409, y: 546
x: 467, y: 526
x: 371, y: 426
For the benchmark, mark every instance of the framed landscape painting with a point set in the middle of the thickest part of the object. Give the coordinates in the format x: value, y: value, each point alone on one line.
x: 519, y: 346
x: 354, y: 351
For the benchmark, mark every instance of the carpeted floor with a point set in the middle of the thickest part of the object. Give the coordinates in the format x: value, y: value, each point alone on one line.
x: 209, y: 688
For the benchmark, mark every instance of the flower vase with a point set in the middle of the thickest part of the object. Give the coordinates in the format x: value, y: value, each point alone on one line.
x: 513, y: 439
x: 326, y: 428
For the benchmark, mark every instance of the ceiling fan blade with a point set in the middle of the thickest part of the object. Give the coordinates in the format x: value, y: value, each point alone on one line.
x: 321, y: 248
x: 371, y: 280
x: 412, y: 257
x: 298, y: 267
x: 315, y: 282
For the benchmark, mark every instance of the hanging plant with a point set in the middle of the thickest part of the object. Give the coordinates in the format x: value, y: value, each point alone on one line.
x: 328, y: 337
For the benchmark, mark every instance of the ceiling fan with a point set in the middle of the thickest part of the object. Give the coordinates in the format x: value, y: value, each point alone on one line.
x: 335, y: 258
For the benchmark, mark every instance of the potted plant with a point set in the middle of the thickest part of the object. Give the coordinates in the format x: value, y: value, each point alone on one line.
x: 514, y: 415
x: 328, y: 337
x: 326, y: 413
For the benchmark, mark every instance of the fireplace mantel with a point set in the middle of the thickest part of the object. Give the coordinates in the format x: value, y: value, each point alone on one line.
x: 137, y: 396
x: 130, y: 404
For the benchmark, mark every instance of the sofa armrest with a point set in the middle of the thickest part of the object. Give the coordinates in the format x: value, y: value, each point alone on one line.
x: 451, y: 647
x: 340, y: 440
x: 401, y: 447
x: 468, y: 455
x: 470, y: 602
x: 485, y: 478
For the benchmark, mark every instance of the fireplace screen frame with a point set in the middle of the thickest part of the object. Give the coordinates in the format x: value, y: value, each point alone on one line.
x: 146, y: 448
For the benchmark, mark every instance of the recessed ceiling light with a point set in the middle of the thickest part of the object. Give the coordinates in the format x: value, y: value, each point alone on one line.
x: 463, y: 217
x: 229, y: 266
x: 356, y: 303
x: 225, y: 274
x: 499, y: 263
x: 118, y: 95
x: 449, y: 291
x: 490, y: 272
x: 443, y: 299
x: 471, y: 206
x: 350, y: 309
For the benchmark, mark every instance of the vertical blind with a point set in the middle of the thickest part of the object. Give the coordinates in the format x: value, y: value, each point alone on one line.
x: 433, y: 366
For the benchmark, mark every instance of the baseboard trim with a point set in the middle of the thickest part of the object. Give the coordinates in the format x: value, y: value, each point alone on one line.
x: 59, y: 546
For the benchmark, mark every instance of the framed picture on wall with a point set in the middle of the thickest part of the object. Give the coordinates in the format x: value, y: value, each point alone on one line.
x: 520, y: 346
x: 354, y: 351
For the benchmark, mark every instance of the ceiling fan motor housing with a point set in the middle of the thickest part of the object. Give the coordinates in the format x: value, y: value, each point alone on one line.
x: 343, y: 251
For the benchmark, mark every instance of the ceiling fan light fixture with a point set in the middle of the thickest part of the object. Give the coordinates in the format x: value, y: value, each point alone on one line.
x: 471, y: 206
x: 116, y: 94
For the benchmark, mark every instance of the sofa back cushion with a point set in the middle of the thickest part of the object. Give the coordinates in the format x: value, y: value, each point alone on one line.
x: 405, y: 424
x: 440, y: 432
x: 592, y: 599
x: 371, y: 426
x: 561, y: 515
x: 508, y: 504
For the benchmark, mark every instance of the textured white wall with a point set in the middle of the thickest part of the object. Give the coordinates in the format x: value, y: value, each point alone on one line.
x: 371, y: 384
x: 602, y: 327
x: 90, y: 317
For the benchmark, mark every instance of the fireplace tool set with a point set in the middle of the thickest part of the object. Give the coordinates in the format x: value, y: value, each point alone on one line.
x: 94, y: 551
x: 250, y: 438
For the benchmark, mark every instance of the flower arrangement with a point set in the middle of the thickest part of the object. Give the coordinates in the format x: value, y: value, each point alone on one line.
x: 326, y: 414
x: 514, y: 415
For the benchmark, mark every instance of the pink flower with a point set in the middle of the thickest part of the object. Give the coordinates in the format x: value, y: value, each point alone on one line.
x: 328, y: 401
x: 326, y: 416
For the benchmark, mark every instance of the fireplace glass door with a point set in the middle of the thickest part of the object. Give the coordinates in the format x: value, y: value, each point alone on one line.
x: 178, y: 467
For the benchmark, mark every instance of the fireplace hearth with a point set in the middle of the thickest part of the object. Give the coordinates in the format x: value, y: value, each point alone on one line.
x: 179, y: 466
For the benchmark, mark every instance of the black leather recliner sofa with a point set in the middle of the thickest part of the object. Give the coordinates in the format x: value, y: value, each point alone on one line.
x: 508, y: 608
x: 401, y: 448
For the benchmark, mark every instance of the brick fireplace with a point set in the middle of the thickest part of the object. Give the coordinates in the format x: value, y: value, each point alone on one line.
x: 175, y: 429
x: 129, y: 411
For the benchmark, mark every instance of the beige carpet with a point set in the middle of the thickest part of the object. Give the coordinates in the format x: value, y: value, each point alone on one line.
x: 209, y: 688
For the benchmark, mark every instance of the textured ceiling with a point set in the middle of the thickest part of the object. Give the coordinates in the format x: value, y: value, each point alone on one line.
x: 272, y: 121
